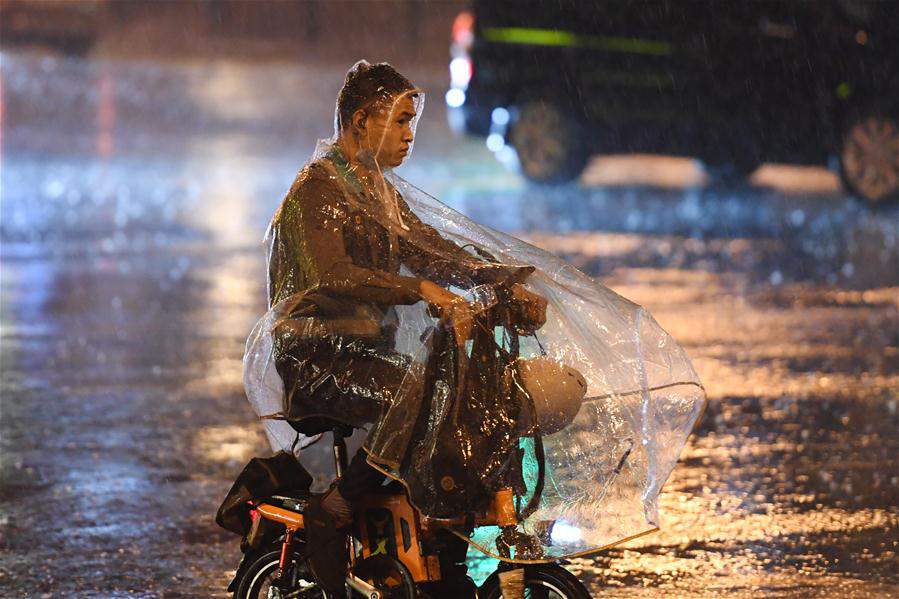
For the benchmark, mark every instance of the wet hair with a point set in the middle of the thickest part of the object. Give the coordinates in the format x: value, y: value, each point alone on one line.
x: 366, y: 84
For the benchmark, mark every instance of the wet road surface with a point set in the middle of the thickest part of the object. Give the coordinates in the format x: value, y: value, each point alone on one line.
x: 134, y: 198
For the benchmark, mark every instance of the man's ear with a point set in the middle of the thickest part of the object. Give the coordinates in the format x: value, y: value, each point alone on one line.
x: 359, y: 118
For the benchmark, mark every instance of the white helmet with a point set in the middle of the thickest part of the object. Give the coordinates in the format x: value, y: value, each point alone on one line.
x: 557, y: 390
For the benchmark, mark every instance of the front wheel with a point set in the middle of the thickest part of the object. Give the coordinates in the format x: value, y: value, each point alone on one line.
x: 546, y: 581
x: 869, y: 156
x: 258, y: 580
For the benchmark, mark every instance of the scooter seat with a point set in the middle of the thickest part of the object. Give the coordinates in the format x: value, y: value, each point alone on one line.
x: 295, y: 501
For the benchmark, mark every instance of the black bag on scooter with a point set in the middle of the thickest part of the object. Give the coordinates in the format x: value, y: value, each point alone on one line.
x: 261, y: 477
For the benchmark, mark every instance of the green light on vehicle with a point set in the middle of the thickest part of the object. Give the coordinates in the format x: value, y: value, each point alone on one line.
x: 629, y: 45
x: 531, y: 36
x: 844, y: 90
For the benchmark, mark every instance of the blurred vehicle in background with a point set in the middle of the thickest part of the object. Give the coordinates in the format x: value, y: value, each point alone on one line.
x: 732, y: 83
x: 71, y: 26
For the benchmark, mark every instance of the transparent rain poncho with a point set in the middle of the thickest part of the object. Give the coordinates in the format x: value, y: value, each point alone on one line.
x: 582, y: 410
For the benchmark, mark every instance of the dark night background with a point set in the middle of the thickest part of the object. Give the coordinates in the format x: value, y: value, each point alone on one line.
x: 145, y: 145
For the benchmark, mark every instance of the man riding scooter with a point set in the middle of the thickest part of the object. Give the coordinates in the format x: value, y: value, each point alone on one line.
x: 533, y: 425
x: 345, y: 250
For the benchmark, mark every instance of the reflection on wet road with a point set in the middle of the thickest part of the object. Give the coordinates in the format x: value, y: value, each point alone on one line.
x: 133, y: 271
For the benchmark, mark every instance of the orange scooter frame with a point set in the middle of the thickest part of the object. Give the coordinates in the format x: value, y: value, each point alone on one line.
x: 387, y: 524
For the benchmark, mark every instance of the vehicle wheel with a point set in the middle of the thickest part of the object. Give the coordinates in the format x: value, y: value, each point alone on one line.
x: 388, y: 575
x: 869, y: 156
x: 550, y: 142
x: 259, y: 577
x: 546, y: 581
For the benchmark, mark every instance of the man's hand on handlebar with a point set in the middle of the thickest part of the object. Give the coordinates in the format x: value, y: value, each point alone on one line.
x: 451, y: 308
x: 528, y: 309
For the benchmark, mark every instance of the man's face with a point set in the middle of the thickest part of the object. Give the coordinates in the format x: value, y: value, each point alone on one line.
x: 390, y: 131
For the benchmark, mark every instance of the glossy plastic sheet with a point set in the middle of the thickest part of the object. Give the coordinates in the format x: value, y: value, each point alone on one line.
x: 582, y: 409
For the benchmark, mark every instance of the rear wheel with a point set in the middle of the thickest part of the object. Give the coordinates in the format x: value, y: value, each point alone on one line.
x: 869, y: 156
x: 541, y: 582
x: 258, y: 581
x: 550, y: 142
